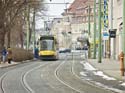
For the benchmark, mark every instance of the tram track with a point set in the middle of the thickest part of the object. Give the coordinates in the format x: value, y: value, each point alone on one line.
x: 65, y: 75
x: 84, y: 85
x: 92, y: 83
x: 1, y: 82
x: 24, y: 82
x: 26, y: 87
x: 62, y: 81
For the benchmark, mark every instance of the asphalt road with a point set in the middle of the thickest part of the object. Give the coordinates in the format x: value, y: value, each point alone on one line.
x: 60, y: 76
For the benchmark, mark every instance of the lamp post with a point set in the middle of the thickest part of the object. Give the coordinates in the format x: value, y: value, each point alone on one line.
x: 99, y: 29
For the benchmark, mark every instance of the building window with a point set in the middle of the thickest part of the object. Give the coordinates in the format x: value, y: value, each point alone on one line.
x: 91, y: 18
x: 84, y: 19
x: 119, y: 2
x: 87, y: 18
x: 92, y: 11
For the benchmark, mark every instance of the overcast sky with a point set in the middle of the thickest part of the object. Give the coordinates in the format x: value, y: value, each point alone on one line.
x: 54, y: 10
x: 57, y: 9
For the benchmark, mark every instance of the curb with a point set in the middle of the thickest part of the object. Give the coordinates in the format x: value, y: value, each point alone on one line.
x: 17, y: 63
x: 119, y: 78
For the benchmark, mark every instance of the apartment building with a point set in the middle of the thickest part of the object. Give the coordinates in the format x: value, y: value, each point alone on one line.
x: 77, y: 16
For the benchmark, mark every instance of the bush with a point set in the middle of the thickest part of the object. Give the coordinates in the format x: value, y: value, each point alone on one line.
x: 21, y: 54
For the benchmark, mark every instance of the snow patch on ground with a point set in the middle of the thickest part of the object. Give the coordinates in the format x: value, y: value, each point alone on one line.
x: 83, y: 56
x: 100, y: 73
x: 123, y: 84
x: 110, y: 88
x: 88, y: 66
x: 83, y: 74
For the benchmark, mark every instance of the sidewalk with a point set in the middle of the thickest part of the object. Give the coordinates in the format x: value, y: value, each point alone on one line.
x: 109, y: 67
x: 3, y: 65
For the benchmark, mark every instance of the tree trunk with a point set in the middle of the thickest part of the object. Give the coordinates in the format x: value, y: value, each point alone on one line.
x: 21, y: 38
x: 9, y: 38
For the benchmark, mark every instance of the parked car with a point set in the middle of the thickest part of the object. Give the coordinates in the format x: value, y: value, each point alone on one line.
x: 68, y: 50
x: 78, y: 48
x: 64, y: 50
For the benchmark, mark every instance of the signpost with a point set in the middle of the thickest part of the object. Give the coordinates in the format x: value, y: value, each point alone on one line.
x: 105, y: 35
x: 112, y: 33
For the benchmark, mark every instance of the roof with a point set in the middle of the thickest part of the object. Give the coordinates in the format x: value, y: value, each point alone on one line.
x: 75, y: 7
x: 76, y: 4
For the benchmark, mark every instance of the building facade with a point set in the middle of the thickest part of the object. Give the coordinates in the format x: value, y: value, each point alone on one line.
x: 116, y: 44
x: 76, y: 19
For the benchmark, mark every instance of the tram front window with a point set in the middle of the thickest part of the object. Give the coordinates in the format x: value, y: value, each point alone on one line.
x: 47, y: 45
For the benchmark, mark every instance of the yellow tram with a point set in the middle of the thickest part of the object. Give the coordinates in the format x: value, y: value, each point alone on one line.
x: 48, y: 47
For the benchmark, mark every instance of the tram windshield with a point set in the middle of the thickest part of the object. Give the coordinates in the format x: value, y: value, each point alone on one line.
x: 47, y: 45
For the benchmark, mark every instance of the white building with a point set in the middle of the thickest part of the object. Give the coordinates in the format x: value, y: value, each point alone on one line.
x: 117, y: 24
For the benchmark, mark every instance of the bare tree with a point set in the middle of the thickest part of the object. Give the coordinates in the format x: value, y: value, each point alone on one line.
x: 11, y: 12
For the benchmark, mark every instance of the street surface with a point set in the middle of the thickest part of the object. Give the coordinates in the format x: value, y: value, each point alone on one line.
x: 67, y: 75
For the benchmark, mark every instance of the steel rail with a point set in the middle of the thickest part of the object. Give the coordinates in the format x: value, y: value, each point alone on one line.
x: 24, y: 82
x: 3, y: 77
x: 92, y: 83
x: 61, y: 81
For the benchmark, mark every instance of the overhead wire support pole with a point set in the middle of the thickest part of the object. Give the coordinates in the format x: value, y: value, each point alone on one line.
x: 89, y: 20
x: 27, y: 25
x: 99, y: 30
x: 33, y: 28
x: 123, y: 38
x: 89, y: 33
x: 94, y: 56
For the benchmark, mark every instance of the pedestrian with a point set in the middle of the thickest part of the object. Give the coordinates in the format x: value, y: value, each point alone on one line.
x: 9, y: 55
x: 4, y: 54
x: 36, y: 52
x: 85, y: 48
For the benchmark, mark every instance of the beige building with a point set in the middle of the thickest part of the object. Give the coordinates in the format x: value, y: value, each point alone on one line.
x: 75, y: 19
x: 74, y: 23
x: 59, y: 28
x: 117, y: 24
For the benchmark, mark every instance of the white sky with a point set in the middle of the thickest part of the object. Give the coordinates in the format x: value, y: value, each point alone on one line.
x: 54, y: 10
x: 57, y: 9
